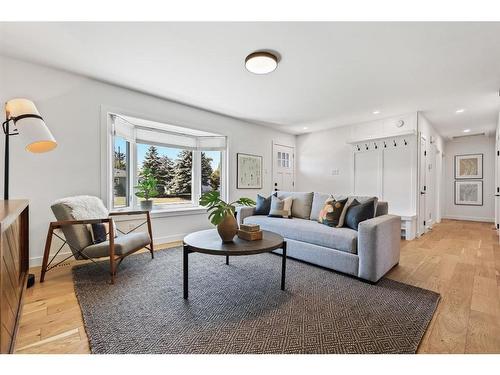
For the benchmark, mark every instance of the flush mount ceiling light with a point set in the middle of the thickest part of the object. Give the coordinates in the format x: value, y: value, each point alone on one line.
x: 461, y: 110
x: 261, y: 62
x: 466, y: 130
x: 376, y: 112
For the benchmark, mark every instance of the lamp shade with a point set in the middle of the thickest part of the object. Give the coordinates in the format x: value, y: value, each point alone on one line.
x: 32, y: 129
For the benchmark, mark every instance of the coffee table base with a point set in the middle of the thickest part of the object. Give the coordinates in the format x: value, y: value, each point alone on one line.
x: 187, y: 251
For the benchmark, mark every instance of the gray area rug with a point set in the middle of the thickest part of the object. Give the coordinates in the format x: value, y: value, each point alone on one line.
x: 240, y: 308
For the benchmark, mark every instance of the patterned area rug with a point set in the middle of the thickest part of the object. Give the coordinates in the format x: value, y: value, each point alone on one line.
x: 240, y: 308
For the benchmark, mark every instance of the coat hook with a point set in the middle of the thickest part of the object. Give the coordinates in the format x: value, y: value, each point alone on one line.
x: 395, y: 144
x: 358, y: 147
x: 366, y: 146
x: 406, y: 143
x: 385, y: 146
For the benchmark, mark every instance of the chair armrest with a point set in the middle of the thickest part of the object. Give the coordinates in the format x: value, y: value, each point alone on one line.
x: 58, y: 224
x: 379, y: 242
x: 243, y: 212
x: 122, y: 213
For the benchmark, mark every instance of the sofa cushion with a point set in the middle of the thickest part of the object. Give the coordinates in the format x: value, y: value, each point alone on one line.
x: 343, y: 239
x: 302, y: 202
x: 123, y: 245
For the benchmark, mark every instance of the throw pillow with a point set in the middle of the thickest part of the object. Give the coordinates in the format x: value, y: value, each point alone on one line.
x: 330, y: 214
x: 263, y: 205
x: 359, y: 212
x: 99, y: 232
x: 281, y: 207
x: 302, y: 203
x: 350, y: 200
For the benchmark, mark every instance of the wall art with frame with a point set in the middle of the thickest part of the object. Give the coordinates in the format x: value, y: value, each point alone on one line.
x: 469, y: 166
x: 469, y: 193
x: 248, y: 171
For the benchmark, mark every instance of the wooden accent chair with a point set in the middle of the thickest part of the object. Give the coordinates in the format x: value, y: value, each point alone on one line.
x: 79, y: 239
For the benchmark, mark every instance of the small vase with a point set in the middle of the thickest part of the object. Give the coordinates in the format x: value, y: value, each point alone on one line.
x: 228, y: 228
x: 147, y: 205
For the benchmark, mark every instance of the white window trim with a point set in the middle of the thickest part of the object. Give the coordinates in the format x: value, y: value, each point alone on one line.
x: 107, y: 147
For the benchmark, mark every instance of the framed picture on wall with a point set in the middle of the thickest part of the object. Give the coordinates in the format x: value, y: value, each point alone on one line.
x: 248, y: 171
x: 469, y: 193
x: 468, y: 166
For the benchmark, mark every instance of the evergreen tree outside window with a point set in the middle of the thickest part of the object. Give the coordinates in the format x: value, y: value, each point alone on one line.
x: 121, y: 165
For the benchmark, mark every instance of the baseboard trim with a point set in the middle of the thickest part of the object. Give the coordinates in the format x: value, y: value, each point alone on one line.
x: 37, y: 261
x: 470, y: 218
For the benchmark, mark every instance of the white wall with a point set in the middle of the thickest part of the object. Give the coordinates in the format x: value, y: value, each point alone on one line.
x: 71, y: 105
x: 321, y: 154
x: 330, y: 161
x: 471, y: 145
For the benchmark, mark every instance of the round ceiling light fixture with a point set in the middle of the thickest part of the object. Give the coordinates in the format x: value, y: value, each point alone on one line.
x: 261, y: 62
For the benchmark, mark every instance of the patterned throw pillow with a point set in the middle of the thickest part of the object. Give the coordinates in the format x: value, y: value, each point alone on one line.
x: 281, y: 207
x: 330, y: 214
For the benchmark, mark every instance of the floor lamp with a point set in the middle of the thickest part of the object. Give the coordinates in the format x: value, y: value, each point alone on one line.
x: 30, y: 127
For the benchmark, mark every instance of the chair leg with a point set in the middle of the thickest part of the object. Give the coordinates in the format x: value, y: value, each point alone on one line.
x: 48, y: 243
x: 150, y: 231
x: 112, y: 264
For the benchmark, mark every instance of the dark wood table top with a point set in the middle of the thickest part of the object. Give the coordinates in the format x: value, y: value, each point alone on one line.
x: 209, y: 242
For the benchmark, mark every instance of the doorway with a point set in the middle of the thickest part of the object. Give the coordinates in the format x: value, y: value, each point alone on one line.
x: 283, y: 167
x: 422, y: 184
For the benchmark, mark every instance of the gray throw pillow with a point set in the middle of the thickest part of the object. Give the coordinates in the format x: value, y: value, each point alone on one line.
x: 263, y: 205
x: 358, y: 212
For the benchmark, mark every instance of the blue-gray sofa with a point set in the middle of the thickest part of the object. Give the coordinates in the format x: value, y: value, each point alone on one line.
x: 368, y: 253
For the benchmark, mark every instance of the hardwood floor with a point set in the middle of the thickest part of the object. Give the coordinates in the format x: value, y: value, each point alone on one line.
x: 458, y: 259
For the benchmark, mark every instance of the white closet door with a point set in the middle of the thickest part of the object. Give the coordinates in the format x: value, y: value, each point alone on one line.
x: 366, y: 173
x: 397, y: 178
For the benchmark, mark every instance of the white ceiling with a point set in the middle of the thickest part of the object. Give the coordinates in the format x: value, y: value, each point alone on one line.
x: 330, y: 74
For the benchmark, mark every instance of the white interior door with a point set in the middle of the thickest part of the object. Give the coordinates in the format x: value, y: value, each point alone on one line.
x: 430, y: 192
x: 422, y: 219
x: 497, y: 181
x: 283, y: 168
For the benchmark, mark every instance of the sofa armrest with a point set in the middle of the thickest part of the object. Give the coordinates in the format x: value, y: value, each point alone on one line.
x: 379, y: 242
x: 242, y: 212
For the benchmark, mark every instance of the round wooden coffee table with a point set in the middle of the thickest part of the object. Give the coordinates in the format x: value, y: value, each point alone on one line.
x: 209, y: 242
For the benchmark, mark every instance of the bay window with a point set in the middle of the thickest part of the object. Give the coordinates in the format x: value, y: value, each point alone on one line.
x: 185, y: 163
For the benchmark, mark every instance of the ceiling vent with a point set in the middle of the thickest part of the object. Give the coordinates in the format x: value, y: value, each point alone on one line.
x: 468, y: 135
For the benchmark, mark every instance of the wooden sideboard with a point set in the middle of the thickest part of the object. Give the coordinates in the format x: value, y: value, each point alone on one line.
x: 14, y: 264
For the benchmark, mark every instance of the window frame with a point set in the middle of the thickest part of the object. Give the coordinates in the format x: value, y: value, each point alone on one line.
x: 107, y: 181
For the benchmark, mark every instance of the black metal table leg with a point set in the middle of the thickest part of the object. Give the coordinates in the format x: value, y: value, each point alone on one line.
x: 283, y: 267
x: 227, y: 260
x: 185, y: 270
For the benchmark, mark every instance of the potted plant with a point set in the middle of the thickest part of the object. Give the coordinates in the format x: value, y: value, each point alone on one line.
x: 147, y: 189
x: 222, y: 214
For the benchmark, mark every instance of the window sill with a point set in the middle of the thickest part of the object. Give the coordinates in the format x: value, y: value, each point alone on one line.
x: 164, y: 212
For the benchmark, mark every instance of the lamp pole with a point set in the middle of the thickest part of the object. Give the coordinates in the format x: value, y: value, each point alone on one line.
x: 6, y: 166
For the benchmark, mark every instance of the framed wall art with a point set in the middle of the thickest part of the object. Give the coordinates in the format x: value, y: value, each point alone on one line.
x: 468, y: 166
x: 248, y: 171
x: 469, y: 193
